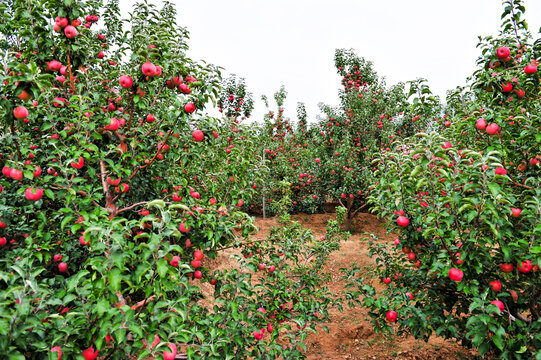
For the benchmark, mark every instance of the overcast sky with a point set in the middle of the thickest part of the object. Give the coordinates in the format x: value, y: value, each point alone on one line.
x: 292, y: 42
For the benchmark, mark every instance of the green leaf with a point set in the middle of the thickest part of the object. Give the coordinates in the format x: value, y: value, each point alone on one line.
x: 114, y: 277
x: 49, y: 194
x: 161, y: 267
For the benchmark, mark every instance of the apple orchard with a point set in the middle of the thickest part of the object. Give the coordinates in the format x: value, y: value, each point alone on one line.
x: 118, y: 192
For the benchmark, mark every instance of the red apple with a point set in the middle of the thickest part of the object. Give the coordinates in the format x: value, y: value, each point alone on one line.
x: 170, y: 355
x: 183, y: 228
x: 530, y: 69
x: 481, y: 124
x: 149, y: 69
x: 198, y: 255
x: 24, y: 95
x: 500, y: 171
x: 402, y: 221
x: 506, y: 268
x: 37, y: 172
x: 387, y: 280
x: 150, y: 118
x: 183, y: 88
x: 189, y: 108
x: 507, y: 87
x: 113, y: 182
x: 90, y: 354
x: 70, y: 31
x: 125, y: 81
x: 391, y: 316
x: 79, y: 164
x: 61, y: 22
x: 499, y: 304
x: 174, y: 261
x: 16, y: 174
x: 456, y: 274
x: 20, y: 112
x: 495, y: 285
x: 515, y: 212
x: 114, y: 124
x: 525, y: 266
x: 176, y: 197
x: 63, y: 267
x: 33, y: 194
x: 198, y: 135
x: 54, y: 65
x: 503, y: 52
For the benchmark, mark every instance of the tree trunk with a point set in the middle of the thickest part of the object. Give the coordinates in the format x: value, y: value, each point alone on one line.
x: 349, y: 213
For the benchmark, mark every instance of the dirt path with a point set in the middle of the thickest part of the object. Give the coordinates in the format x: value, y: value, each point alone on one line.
x: 350, y: 333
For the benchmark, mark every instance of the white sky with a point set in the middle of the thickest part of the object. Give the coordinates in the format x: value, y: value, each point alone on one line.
x: 292, y: 42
